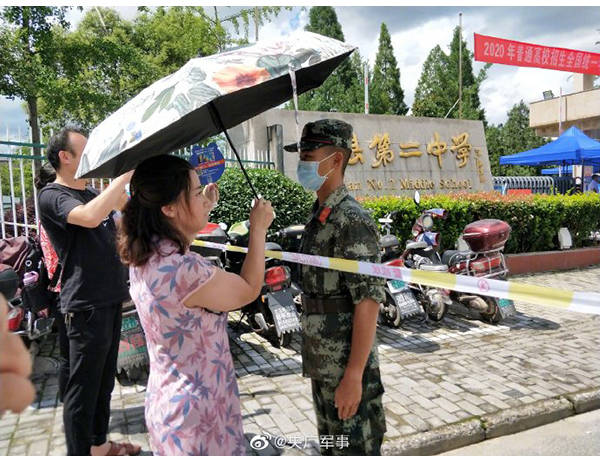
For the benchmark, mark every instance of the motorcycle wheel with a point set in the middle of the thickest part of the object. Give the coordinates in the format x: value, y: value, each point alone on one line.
x: 133, y: 375
x: 436, y: 308
x: 391, y: 316
x: 285, y: 339
x: 493, y: 315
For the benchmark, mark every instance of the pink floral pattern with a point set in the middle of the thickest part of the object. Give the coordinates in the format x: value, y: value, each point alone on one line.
x: 50, y: 257
x: 192, y: 398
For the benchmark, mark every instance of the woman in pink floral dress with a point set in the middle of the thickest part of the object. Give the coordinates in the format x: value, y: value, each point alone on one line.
x: 192, y: 400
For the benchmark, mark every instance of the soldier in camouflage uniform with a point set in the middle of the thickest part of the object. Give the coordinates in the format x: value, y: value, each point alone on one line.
x: 339, y: 351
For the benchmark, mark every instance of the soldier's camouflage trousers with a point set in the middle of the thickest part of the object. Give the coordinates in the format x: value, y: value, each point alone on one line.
x: 360, y: 435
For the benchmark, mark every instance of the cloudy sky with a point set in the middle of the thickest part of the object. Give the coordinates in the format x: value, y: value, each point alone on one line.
x: 415, y: 30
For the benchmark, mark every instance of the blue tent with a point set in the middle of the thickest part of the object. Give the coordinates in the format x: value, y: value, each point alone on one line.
x: 573, y: 147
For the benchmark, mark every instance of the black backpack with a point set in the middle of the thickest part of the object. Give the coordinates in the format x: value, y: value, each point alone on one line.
x: 25, y: 254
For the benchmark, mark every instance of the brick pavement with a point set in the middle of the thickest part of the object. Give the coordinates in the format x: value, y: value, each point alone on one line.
x: 433, y: 375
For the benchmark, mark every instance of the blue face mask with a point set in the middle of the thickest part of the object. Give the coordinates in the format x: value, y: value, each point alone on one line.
x: 308, y: 174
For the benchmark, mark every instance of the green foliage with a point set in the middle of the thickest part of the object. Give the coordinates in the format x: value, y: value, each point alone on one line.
x: 16, y: 177
x: 437, y: 90
x: 98, y: 69
x: 385, y: 93
x: 511, y: 138
x: 94, y: 70
x: 291, y: 202
x: 342, y: 91
x: 535, y: 220
x: 28, y: 44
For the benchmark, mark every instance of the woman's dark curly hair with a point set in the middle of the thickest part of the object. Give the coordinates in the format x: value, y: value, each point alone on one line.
x: 157, y: 181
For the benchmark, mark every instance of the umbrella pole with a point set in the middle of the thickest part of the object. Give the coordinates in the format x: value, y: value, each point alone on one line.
x: 220, y: 124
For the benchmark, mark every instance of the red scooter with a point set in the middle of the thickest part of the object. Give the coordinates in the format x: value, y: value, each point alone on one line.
x: 483, y: 257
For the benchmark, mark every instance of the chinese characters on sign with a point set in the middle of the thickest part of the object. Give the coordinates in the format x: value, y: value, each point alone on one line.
x: 502, y: 51
x: 462, y: 148
x: 384, y: 155
x: 479, y: 164
x: 437, y: 148
x: 357, y: 152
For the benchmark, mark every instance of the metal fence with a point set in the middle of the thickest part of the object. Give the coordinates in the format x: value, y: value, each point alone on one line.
x: 536, y: 184
x: 20, y: 211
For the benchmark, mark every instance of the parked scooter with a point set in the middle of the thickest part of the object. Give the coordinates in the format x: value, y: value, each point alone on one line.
x: 291, y: 238
x: 133, y: 362
x: 421, y: 253
x: 274, y: 312
x: 30, y: 324
x: 485, y: 240
x: 484, y: 258
x: 400, y: 299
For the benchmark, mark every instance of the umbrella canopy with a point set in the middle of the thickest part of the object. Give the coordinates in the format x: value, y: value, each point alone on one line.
x: 206, y: 96
x: 572, y: 147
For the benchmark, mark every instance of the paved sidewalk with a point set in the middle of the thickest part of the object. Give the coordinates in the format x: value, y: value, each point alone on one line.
x: 436, y: 378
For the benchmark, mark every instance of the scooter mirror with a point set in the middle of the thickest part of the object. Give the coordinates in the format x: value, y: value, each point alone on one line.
x: 223, y: 226
x: 417, y: 198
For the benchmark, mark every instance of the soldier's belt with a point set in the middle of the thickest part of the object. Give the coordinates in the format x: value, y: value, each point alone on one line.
x: 583, y: 302
x: 313, y: 305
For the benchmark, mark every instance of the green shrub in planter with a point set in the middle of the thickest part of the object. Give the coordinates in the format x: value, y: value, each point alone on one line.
x: 534, y: 219
x: 291, y: 202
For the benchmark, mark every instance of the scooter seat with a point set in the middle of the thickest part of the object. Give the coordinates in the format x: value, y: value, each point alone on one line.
x: 388, y: 241
x: 272, y: 246
x: 437, y: 268
x: 454, y: 257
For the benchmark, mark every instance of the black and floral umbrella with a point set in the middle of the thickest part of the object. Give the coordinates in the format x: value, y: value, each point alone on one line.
x: 207, y: 96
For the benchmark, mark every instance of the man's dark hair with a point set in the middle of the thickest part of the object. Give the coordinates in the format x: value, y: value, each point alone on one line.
x: 60, y: 142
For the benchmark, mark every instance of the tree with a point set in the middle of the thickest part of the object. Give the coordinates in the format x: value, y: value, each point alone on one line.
x: 385, y: 93
x: 339, y: 93
x: 511, y: 138
x: 27, y: 67
x: 437, y: 91
x: 431, y: 100
x: 98, y: 68
x: 107, y: 60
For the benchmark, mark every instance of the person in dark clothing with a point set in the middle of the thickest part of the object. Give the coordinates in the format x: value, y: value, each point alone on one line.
x: 79, y: 222
x: 46, y: 175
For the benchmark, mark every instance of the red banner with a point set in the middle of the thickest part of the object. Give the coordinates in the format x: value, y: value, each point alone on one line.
x: 502, y: 51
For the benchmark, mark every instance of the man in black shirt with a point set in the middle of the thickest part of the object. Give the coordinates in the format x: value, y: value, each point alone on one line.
x: 79, y: 222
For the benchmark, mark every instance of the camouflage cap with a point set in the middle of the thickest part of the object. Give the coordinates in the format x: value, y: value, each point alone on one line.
x: 324, y: 132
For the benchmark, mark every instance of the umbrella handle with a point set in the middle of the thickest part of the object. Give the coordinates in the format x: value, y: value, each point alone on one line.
x: 215, y: 113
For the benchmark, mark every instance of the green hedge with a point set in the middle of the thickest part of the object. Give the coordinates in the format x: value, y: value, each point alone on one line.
x: 535, y: 219
x: 291, y: 202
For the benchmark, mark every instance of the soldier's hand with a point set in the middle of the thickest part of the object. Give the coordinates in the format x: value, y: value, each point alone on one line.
x: 347, y: 397
x: 16, y: 391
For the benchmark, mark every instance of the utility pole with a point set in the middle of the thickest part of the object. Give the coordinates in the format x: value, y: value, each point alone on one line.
x: 366, y: 81
x: 460, y: 65
x: 256, y: 17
